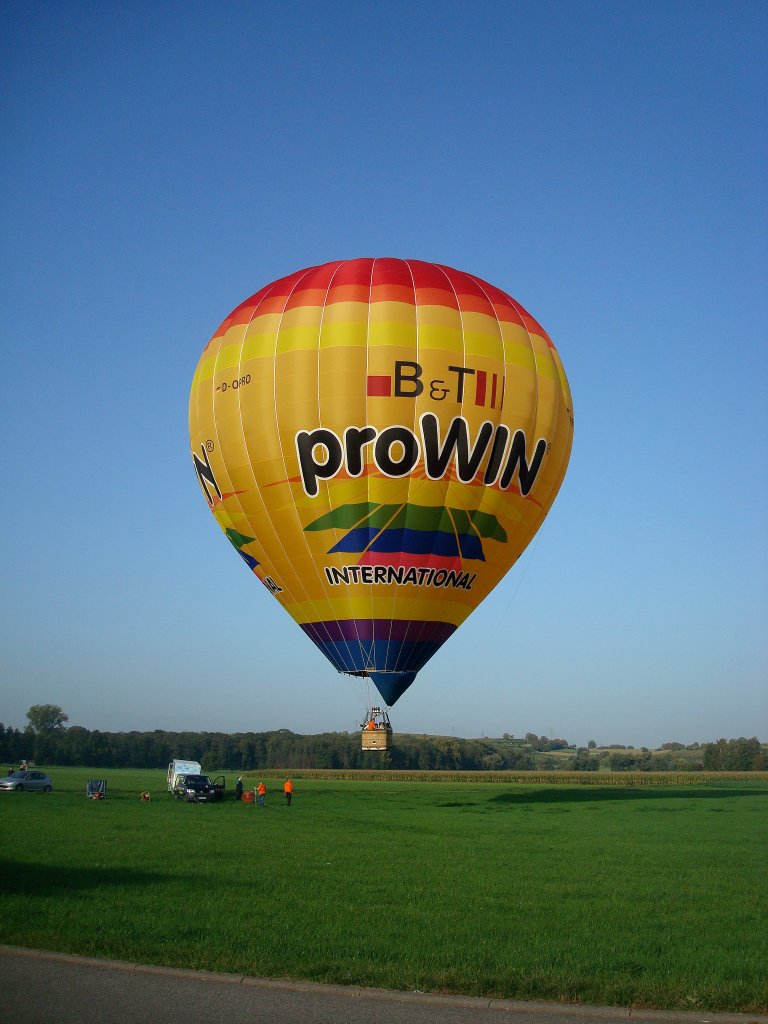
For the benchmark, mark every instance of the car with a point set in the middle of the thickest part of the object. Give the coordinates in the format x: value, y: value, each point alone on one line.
x: 196, y: 789
x: 27, y: 780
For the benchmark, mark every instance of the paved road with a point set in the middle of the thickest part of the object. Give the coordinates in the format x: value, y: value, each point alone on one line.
x: 51, y: 988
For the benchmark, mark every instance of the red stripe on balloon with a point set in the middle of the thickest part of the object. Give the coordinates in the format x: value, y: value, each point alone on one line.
x: 480, y: 377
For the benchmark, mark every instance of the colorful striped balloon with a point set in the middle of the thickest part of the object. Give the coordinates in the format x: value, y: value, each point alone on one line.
x: 380, y: 439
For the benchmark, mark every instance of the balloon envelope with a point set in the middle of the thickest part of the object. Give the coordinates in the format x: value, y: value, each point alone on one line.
x: 380, y: 439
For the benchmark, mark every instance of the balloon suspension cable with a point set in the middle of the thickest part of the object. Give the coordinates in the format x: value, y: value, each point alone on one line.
x: 361, y: 686
x: 523, y: 574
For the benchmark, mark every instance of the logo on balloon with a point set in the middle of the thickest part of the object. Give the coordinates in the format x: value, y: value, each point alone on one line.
x: 239, y: 541
x: 420, y: 545
x: 396, y: 451
x: 406, y: 382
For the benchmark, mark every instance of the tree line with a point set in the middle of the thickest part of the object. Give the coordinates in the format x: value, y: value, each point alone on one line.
x: 247, y: 751
x: 47, y: 740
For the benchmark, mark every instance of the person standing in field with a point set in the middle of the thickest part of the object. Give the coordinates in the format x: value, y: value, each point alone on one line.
x: 239, y: 788
x: 261, y: 794
x: 288, y: 790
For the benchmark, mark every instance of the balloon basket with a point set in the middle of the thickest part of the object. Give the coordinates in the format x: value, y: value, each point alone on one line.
x: 377, y: 731
x: 377, y: 740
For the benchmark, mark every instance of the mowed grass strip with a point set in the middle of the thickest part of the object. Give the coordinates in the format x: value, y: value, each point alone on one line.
x: 637, y: 896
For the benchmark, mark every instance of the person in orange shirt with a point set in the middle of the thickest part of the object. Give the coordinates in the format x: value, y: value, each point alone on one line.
x: 261, y: 793
x: 288, y: 790
x: 371, y: 725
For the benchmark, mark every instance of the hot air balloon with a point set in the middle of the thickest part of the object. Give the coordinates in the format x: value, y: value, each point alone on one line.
x: 380, y: 439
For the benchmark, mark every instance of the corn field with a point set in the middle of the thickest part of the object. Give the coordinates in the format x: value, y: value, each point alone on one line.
x: 518, y: 777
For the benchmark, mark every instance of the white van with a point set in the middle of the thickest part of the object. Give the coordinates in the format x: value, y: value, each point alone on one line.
x: 176, y: 768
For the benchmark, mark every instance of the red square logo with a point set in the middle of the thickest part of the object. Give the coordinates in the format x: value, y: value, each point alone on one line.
x: 380, y: 387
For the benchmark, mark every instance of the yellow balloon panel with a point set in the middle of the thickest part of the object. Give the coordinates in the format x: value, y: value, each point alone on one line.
x: 380, y: 439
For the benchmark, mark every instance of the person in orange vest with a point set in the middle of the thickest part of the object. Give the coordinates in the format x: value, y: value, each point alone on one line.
x: 261, y: 793
x: 288, y: 790
x: 371, y: 725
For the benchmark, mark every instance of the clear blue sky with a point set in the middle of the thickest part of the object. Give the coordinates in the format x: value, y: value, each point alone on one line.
x: 604, y: 163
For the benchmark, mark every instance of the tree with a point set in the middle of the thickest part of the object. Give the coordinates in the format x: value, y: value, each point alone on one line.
x: 741, y: 755
x: 493, y: 762
x: 584, y: 762
x: 622, y: 762
x: 12, y: 745
x: 46, y: 726
x: 45, y: 719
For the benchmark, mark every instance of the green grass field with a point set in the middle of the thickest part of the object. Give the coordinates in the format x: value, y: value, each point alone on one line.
x: 621, y: 895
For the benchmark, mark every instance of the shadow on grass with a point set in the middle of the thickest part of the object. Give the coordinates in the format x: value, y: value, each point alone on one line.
x: 600, y: 794
x: 596, y: 794
x: 19, y: 879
